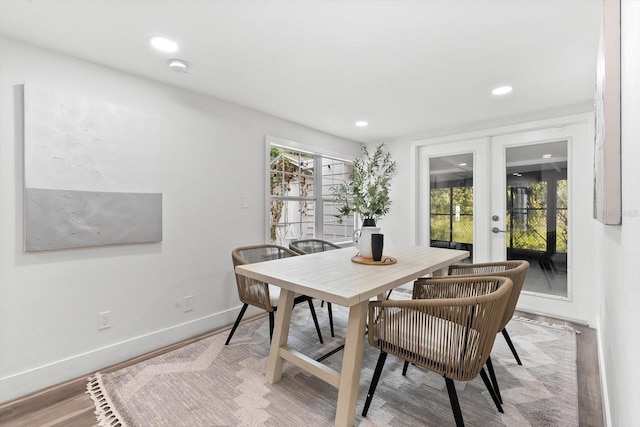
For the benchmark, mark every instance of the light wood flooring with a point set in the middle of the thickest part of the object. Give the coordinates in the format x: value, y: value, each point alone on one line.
x: 68, y: 405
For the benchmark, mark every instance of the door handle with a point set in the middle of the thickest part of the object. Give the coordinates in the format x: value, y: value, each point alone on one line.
x: 497, y: 230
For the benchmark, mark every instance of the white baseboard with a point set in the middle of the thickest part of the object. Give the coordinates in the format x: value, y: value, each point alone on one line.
x: 606, y: 410
x: 555, y: 316
x: 26, y: 382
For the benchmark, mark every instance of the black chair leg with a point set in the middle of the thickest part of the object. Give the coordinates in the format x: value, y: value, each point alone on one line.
x: 404, y: 368
x: 455, y: 405
x: 374, y: 382
x: 510, y: 344
x: 487, y: 383
x: 237, y: 322
x: 315, y: 319
x: 494, y: 380
x: 330, y: 318
x: 271, y: 323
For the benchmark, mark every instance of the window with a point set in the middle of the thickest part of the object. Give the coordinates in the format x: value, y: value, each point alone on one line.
x: 451, y: 201
x: 300, y: 200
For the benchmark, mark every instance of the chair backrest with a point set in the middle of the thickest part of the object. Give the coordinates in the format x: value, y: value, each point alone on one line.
x: 516, y: 270
x: 451, y: 332
x: 252, y: 291
x: 310, y: 246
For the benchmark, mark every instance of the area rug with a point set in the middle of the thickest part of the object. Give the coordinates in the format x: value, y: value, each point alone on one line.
x: 209, y: 384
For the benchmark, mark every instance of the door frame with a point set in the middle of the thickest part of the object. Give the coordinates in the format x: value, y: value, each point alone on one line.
x: 578, y: 131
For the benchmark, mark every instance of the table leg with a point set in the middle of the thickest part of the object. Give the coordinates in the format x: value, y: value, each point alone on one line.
x: 280, y: 335
x: 351, y: 364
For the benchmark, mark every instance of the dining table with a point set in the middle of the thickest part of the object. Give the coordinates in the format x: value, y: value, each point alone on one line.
x: 334, y: 276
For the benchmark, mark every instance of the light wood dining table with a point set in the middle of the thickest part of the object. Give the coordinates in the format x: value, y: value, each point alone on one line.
x: 332, y: 276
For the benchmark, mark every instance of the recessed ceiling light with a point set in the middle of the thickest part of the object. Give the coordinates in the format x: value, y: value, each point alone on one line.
x: 502, y: 90
x: 362, y: 124
x: 462, y: 164
x: 178, y: 65
x: 163, y: 44
x: 546, y: 156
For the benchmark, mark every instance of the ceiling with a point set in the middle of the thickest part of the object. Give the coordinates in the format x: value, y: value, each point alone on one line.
x: 412, y: 69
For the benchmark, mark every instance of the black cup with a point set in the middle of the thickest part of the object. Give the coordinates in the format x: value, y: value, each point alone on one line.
x: 377, y: 243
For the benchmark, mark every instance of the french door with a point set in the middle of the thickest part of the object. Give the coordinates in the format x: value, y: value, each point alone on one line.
x: 502, y: 197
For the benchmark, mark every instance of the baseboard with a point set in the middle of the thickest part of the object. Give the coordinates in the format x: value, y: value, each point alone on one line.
x: 606, y: 410
x: 554, y: 316
x: 18, y: 385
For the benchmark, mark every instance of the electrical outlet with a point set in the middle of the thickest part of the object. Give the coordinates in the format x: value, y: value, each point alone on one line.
x: 104, y: 320
x: 188, y: 303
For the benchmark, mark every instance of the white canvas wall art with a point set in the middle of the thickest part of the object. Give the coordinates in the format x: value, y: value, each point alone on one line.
x: 92, y: 172
x: 607, y: 178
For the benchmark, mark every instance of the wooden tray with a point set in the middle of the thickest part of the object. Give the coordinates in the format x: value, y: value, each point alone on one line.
x: 386, y: 260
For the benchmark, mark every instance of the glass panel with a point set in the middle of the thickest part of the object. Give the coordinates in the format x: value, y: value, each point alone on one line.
x: 335, y: 172
x: 291, y: 173
x: 537, y: 207
x: 451, y: 201
x: 333, y: 229
x: 292, y: 220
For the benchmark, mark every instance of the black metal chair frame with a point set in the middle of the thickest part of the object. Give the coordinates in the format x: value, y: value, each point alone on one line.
x: 297, y: 300
x: 263, y: 300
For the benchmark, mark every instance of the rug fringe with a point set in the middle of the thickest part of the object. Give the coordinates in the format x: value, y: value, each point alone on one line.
x: 106, y: 413
x: 547, y: 324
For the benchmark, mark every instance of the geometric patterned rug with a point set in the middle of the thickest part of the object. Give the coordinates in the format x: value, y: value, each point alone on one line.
x: 209, y: 384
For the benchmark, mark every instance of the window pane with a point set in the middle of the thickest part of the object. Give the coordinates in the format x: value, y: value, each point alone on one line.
x: 292, y: 220
x: 333, y: 229
x: 335, y: 172
x: 291, y: 173
x: 440, y: 227
x: 451, y: 201
x: 440, y: 201
x: 537, y: 203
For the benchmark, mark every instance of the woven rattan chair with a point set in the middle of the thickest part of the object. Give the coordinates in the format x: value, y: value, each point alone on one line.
x: 311, y: 246
x: 449, y: 328
x: 260, y: 294
x: 516, y: 270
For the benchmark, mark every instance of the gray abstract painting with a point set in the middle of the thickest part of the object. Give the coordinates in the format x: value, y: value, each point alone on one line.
x: 92, y: 173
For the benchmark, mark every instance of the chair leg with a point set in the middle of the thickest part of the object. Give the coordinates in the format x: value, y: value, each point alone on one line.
x: 455, y: 405
x: 237, y: 322
x: 487, y: 383
x: 374, y: 382
x: 271, y: 322
x: 330, y: 318
x: 404, y: 368
x: 513, y: 349
x: 315, y: 319
x: 494, y: 380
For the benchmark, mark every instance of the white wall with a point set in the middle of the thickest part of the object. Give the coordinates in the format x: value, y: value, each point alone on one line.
x: 213, y: 153
x: 617, y: 248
